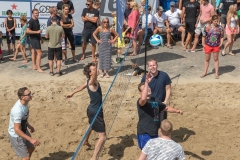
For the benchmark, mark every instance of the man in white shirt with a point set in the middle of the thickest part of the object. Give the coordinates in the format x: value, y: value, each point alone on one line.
x: 163, y: 147
x: 162, y: 25
x: 150, y: 25
x: 21, y: 141
x: 173, y: 16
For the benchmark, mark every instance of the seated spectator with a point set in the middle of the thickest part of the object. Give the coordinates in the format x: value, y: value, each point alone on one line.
x: 141, y: 33
x: 163, y: 147
x: 173, y: 16
x: 162, y: 25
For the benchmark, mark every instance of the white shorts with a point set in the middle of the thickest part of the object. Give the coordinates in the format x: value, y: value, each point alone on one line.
x: 200, y: 28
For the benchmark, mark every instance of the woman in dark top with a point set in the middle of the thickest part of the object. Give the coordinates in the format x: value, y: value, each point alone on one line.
x: 67, y: 23
x: 95, y: 94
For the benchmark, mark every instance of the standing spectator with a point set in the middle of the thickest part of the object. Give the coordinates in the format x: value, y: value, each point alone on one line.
x: 163, y: 147
x: 162, y: 25
x: 21, y: 141
x: 232, y: 29
x: 53, y: 12
x: 70, y: 6
x: 22, y: 41
x: 205, y: 16
x: 173, y: 16
x: 212, y: 41
x: 181, y: 2
x: 149, y: 109
x: 55, y: 33
x: 127, y: 11
x: 132, y: 25
x: 224, y: 6
x: 67, y: 24
x: 10, y: 24
x: 150, y: 26
x: 218, y: 10
x: 90, y: 18
x: 105, y: 45
x: 160, y: 84
x: 34, y: 32
x: 189, y: 13
x: 1, y: 44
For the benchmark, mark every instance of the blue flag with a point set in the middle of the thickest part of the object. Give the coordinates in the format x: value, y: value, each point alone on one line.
x: 121, y: 6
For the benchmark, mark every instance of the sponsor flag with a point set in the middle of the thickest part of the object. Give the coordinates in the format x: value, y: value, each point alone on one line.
x: 121, y: 6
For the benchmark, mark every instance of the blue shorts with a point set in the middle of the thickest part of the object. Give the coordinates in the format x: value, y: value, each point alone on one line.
x: 143, y: 139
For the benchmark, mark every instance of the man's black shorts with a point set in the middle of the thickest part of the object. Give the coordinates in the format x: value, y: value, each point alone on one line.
x: 99, y: 124
x: 35, y: 43
x: 52, y: 51
x: 88, y: 34
x: 190, y: 27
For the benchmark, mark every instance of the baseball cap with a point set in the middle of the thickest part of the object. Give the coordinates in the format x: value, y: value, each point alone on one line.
x: 160, y: 8
x: 172, y: 3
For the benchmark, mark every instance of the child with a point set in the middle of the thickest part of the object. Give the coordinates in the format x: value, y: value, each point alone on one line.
x: 10, y: 24
x: 23, y: 39
x: 1, y: 44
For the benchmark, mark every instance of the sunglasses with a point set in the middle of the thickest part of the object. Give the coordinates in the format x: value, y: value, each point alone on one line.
x: 29, y: 94
x: 87, y: 4
x: 105, y: 22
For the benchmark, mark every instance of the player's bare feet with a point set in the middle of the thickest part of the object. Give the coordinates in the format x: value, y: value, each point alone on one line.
x: 12, y: 59
x: 25, y: 61
x: 34, y: 68
x: 87, y: 144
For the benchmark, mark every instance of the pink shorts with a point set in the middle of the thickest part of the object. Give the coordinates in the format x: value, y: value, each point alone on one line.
x: 228, y: 31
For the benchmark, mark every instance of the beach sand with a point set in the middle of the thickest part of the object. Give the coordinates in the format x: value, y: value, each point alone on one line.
x: 208, y: 129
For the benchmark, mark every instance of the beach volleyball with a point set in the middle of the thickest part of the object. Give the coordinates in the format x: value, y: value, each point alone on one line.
x: 156, y: 40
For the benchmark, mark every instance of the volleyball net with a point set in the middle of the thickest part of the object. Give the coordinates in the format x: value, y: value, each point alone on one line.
x: 111, y: 102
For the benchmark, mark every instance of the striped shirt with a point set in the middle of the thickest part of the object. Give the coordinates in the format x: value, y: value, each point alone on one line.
x: 162, y: 149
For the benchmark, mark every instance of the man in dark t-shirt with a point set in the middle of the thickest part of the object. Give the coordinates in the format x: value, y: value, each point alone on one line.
x: 224, y: 5
x: 53, y: 13
x: 69, y: 3
x: 181, y: 2
x: 90, y: 17
x: 34, y: 32
x: 127, y: 12
x: 190, y: 11
x: 149, y: 109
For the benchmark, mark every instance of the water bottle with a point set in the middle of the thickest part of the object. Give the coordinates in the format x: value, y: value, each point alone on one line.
x: 63, y: 43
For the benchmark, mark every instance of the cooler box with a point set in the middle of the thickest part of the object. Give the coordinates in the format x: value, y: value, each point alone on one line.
x: 78, y: 40
x: 166, y: 4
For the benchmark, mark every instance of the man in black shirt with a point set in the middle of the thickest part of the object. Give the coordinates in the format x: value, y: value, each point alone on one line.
x: 34, y: 32
x: 127, y: 12
x: 90, y: 17
x: 70, y: 5
x: 224, y: 5
x: 181, y: 2
x: 149, y: 109
x: 190, y: 11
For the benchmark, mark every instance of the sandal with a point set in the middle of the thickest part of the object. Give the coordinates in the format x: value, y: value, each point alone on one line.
x: 222, y: 53
x: 132, y: 54
x: 102, y: 75
x: 51, y: 74
x: 59, y: 74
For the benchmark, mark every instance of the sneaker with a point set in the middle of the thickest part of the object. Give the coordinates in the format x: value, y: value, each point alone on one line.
x: 63, y: 64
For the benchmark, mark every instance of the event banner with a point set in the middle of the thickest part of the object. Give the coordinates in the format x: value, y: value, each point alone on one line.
x: 24, y: 7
